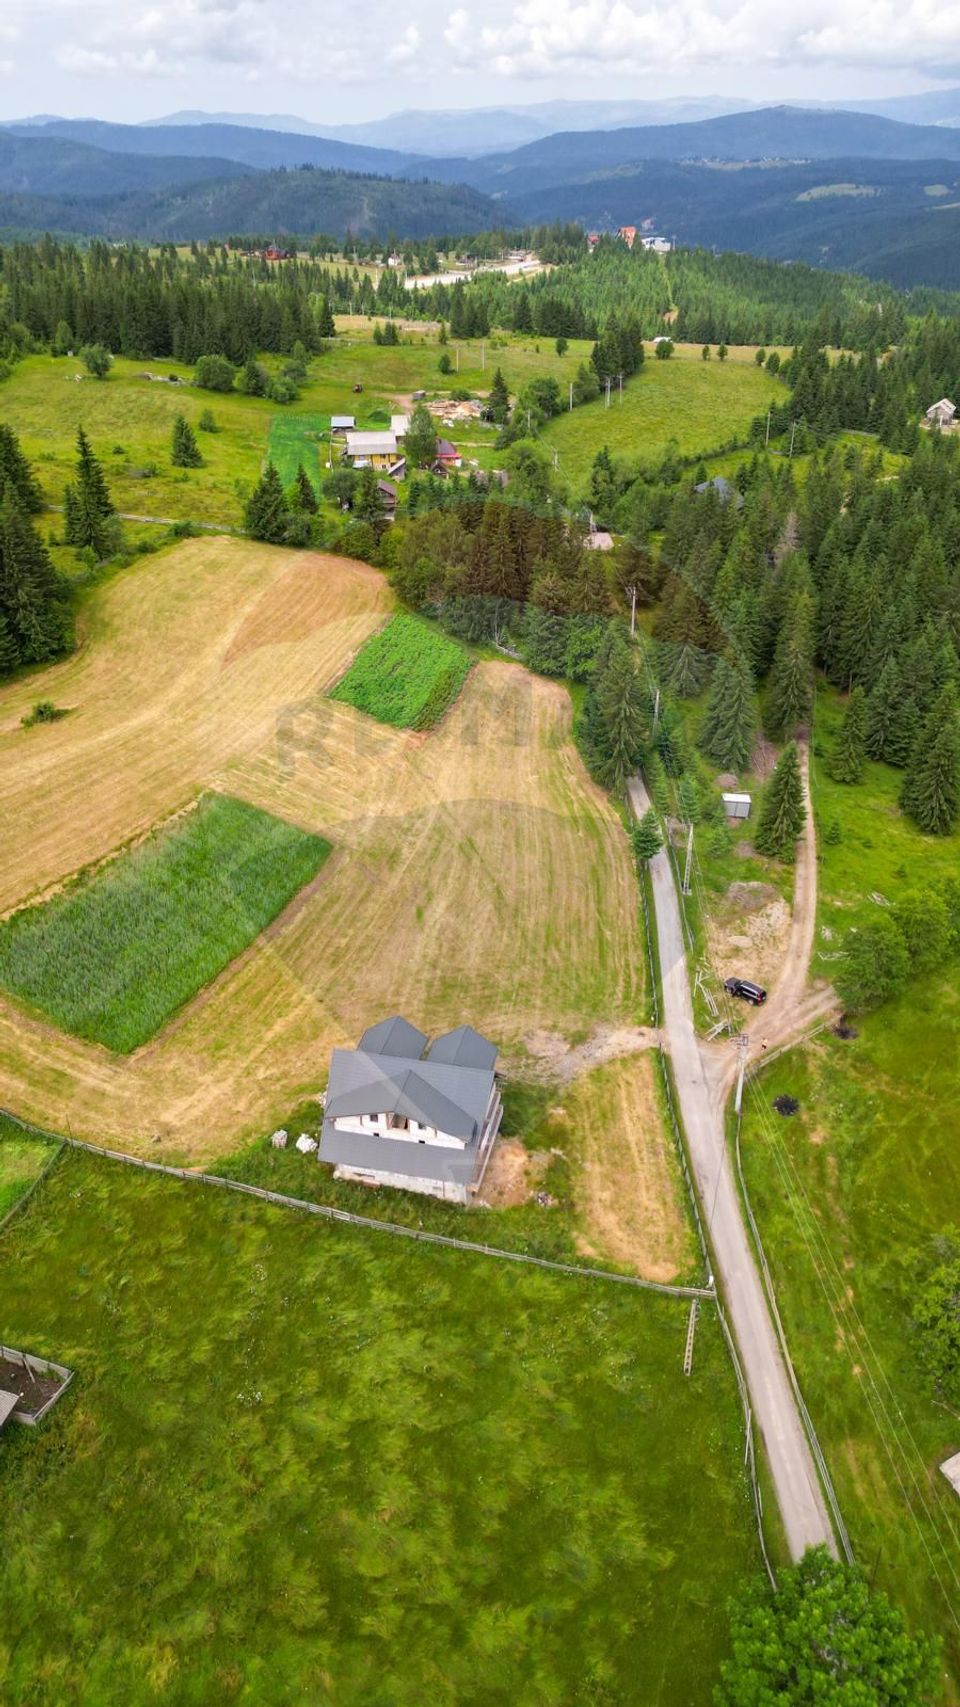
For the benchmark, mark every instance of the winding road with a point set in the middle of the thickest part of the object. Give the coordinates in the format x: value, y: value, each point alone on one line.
x: 704, y: 1075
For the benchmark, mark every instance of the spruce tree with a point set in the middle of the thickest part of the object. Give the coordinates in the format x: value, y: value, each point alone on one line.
x: 885, y: 712
x: 730, y: 720
x: 91, y: 482
x: 184, y: 451
x: 306, y: 497
x: 783, y: 812
x: 33, y: 601
x: 931, y: 788
x: 849, y: 755
x: 620, y: 699
x: 265, y: 515
x: 790, y: 698
x: 9, y: 653
x: 15, y: 471
x: 498, y: 401
x: 646, y: 837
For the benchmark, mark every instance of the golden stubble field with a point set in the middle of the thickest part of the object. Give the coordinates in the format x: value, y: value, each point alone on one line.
x: 476, y: 875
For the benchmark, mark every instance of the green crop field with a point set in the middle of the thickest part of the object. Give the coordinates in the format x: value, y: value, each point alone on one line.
x: 407, y: 675
x: 851, y: 1188
x: 113, y: 956
x: 305, y: 1462
x: 685, y: 401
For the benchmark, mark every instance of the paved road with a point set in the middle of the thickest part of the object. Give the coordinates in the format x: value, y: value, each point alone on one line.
x: 795, y: 1479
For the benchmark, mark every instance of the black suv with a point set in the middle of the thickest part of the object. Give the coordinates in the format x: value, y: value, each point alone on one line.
x: 743, y: 987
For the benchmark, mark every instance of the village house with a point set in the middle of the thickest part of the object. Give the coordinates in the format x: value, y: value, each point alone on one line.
x: 399, y: 427
x: 593, y: 238
x: 941, y: 414
x: 340, y: 425
x: 401, y: 1114
x: 274, y: 253
x: 628, y: 235
x: 388, y: 495
x: 447, y: 458
x: 372, y: 450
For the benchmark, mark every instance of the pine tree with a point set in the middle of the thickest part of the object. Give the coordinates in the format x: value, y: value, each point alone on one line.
x: 849, y: 756
x: 790, y: 698
x: 306, y: 497
x: 184, y: 452
x: 931, y: 789
x: 265, y: 515
x: 783, y: 813
x: 33, y: 602
x: 15, y: 470
x: 646, y: 838
x: 730, y: 718
x: 498, y: 401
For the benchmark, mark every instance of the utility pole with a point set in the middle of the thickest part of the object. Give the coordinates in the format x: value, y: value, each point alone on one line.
x: 633, y: 612
x: 656, y: 709
x: 743, y: 1044
x: 620, y: 377
x: 689, y: 862
x: 766, y: 440
x: 608, y: 391
x: 793, y: 434
x: 571, y: 393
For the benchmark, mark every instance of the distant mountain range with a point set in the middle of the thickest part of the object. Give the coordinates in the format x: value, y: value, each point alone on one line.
x: 840, y: 188
x: 498, y: 129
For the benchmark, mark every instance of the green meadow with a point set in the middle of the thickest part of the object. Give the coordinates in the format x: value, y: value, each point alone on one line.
x: 305, y: 1462
x: 849, y: 1194
x: 113, y: 956
x: 407, y: 674
x: 686, y: 402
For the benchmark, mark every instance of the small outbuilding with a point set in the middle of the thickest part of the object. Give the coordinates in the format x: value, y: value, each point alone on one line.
x: 341, y: 424
x: 951, y: 1469
x: 942, y: 414
x: 725, y: 490
x: 737, y: 805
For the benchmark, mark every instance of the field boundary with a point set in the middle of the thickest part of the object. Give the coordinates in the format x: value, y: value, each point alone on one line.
x: 329, y: 1213
x: 23, y: 1200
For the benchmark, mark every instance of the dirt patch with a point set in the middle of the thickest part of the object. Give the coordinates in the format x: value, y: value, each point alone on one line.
x: 514, y: 1174
x: 749, y: 932
x: 32, y: 1390
x: 557, y: 1060
x: 763, y: 758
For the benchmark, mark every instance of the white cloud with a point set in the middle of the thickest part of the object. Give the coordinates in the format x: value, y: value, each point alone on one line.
x: 407, y: 49
x: 542, y: 38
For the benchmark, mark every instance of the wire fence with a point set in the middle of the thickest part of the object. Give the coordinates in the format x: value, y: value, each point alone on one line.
x: 329, y: 1213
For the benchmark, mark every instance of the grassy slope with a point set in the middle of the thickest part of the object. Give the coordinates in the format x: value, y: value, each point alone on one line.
x: 353, y: 1469
x: 695, y: 403
x: 111, y: 958
x: 44, y: 404
x: 407, y: 675
x: 847, y: 1190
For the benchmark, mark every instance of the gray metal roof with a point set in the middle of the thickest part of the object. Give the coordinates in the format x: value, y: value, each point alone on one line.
x: 724, y: 489
x: 343, y: 421
x: 388, y: 1156
x: 463, y: 1047
x: 452, y: 1098
x: 395, y: 1036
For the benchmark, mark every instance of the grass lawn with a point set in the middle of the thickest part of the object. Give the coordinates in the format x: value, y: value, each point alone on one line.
x: 352, y: 1469
x: 114, y: 955
x: 407, y: 675
x: 696, y: 404
x: 21, y: 1160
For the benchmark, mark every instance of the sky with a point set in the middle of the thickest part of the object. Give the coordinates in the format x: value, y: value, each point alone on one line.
x: 134, y: 60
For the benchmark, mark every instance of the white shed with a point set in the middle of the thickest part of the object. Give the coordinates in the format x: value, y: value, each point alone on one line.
x: 951, y: 1469
x: 737, y: 805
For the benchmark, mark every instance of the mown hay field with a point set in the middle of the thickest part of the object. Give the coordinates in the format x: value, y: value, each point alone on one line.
x: 408, y: 675
x: 476, y: 872
x: 352, y: 1469
x: 112, y: 957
